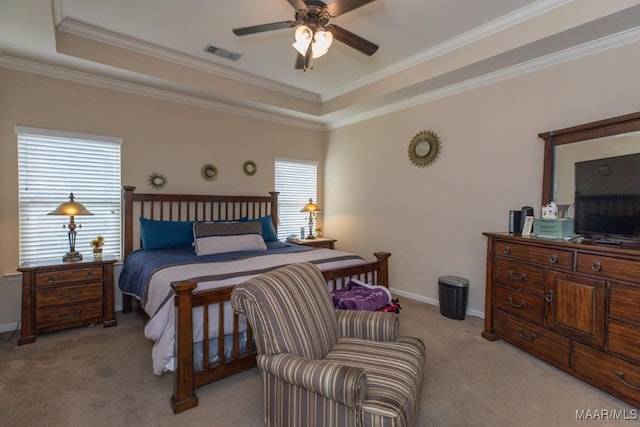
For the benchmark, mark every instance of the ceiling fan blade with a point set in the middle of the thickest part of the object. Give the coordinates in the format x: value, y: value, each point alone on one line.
x: 297, y: 4
x: 243, y: 31
x: 339, y: 7
x: 350, y: 39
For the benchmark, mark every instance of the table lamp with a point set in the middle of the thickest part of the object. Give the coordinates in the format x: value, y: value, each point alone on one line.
x: 312, y: 208
x: 71, y: 208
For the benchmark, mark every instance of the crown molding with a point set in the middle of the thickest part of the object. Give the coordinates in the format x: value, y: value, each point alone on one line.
x: 81, y: 29
x: 566, y: 55
x: 250, y: 111
x: 514, y: 18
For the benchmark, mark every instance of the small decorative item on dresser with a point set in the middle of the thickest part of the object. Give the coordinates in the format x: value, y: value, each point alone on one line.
x: 97, y: 244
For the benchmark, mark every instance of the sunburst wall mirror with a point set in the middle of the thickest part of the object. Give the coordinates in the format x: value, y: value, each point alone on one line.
x: 424, y: 148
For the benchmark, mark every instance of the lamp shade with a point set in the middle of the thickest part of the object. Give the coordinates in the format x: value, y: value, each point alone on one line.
x: 70, y: 208
x: 311, y: 207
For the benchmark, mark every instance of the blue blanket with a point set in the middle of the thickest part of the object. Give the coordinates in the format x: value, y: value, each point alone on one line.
x: 140, y: 264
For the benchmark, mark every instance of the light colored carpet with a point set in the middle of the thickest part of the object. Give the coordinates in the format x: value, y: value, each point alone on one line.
x: 102, y: 377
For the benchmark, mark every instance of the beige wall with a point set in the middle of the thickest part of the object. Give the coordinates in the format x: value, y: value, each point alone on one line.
x: 432, y: 218
x: 159, y: 136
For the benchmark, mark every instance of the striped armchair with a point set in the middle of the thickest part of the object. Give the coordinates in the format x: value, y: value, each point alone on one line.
x: 326, y: 367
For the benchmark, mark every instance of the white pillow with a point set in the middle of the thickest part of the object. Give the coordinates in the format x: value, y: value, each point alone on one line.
x: 220, y: 237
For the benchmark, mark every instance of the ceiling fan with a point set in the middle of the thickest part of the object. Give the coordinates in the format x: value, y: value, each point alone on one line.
x: 314, y: 34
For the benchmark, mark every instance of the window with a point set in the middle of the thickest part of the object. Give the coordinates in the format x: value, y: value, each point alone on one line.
x: 296, y: 180
x: 53, y: 164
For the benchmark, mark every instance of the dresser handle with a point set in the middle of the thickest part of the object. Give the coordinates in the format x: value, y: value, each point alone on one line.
x: 511, y: 303
x: 90, y: 275
x: 596, y: 266
x: 549, y: 297
x: 525, y: 336
x: 52, y: 279
x: 506, y: 250
x: 76, y: 294
x: 514, y: 276
x: 71, y: 316
x: 553, y: 259
x: 621, y: 377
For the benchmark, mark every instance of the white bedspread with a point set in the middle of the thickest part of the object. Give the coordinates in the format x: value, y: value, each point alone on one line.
x: 159, y: 303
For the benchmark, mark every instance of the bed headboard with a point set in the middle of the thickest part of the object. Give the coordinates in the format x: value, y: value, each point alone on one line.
x: 190, y: 207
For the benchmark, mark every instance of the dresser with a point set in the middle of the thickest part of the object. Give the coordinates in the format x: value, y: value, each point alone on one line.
x: 59, y: 295
x: 573, y: 305
x: 319, y: 242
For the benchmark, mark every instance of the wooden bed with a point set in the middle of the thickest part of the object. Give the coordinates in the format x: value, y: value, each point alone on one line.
x: 175, y: 207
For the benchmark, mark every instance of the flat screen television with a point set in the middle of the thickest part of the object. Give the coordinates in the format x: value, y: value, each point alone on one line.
x: 607, y: 197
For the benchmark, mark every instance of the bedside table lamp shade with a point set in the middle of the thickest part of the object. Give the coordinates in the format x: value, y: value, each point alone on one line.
x: 71, y: 208
x: 312, y: 208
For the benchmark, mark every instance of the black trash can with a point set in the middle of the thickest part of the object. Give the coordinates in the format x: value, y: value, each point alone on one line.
x: 453, y: 293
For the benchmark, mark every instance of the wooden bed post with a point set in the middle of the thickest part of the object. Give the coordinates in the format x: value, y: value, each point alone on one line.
x: 127, y: 195
x: 384, y: 269
x: 184, y: 394
x: 274, y: 208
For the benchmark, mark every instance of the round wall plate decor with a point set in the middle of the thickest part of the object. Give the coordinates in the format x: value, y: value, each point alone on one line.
x: 424, y: 148
x: 249, y: 167
x: 157, y: 180
x: 209, y: 172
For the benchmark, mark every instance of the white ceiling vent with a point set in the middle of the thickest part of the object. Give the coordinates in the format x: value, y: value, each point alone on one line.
x: 223, y: 53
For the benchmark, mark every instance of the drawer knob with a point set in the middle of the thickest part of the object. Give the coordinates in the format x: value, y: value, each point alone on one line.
x: 506, y: 250
x: 521, y: 304
x: 52, y: 279
x: 90, y: 275
x: 525, y: 336
x: 65, y: 295
x: 596, y: 266
x: 553, y: 259
x: 71, y: 316
x: 517, y: 276
x: 622, y: 380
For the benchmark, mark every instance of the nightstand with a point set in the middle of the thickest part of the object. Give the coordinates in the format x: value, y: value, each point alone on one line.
x: 59, y: 295
x: 318, y: 242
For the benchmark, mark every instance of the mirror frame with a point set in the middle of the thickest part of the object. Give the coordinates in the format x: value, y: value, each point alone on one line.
x: 599, y: 129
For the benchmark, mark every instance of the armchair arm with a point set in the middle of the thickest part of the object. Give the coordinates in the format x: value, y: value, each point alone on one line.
x: 369, y: 325
x: 341, y: 383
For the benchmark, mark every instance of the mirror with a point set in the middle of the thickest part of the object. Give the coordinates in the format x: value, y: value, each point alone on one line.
x: 424, y: 148
x: 563, y: 147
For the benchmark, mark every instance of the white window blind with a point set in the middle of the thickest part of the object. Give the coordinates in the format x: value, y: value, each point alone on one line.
x: 296, y: 180
x: 53, y: 164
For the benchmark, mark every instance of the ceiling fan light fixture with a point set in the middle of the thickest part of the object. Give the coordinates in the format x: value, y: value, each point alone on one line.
x: 304, y: 36
x: 321, y: 42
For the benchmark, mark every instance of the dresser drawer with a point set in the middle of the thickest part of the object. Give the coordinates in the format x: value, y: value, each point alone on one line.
x: 624, y: 301
x: 624, y: 339
x: 72, y: 294
x: 614, y: 375
x: 521, y: 276
x: 62, y: 277
x: 521, y: 304
x: 540, y: 342
x: 68, y: 315
x: 549, y: 257
x: 613, y: 268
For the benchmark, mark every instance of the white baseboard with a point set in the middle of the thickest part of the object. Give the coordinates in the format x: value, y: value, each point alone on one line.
x: 431, y: 301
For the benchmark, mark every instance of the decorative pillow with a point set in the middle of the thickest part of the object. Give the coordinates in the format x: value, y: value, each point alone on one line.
x: 220, y: 237
x: 269, y: 233
x: 157, y: 234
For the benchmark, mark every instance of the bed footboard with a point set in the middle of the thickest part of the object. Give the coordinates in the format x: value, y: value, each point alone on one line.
x: 186, y: 379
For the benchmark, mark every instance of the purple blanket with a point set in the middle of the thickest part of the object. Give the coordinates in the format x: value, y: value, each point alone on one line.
x: 357, y: 295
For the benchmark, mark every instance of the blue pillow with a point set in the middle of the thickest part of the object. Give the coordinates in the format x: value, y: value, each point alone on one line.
x: 269, y: 233
x: 165, y: 234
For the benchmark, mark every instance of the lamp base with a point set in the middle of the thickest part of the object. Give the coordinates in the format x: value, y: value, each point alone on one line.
x: 310, y: 237
x: 72, y: 256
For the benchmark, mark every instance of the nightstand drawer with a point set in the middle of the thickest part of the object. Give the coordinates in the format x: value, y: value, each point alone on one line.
x: 67, y: 316
x: 48, y: 297
x: 68, y: 276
